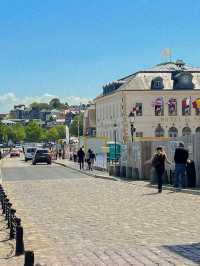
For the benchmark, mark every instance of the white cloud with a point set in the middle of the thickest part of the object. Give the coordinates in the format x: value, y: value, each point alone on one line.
x: 8, y: 100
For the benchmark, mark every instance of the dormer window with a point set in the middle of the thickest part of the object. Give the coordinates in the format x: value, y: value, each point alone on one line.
x: 182, y: 80
x: 157, y: 84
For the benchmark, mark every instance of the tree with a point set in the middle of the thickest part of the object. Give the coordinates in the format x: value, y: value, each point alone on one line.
x: 33, y: 132
x: 19, y: 133
x: 52, y: 134
x: 40, y: 106
x: 74, y: 126
x: 61, y: 129
x: 56, y: 104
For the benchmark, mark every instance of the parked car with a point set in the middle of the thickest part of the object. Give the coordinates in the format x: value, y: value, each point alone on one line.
x: 41, y: 156
x: 19, y: 147
x: 14, y: 153
x: 29, y: 153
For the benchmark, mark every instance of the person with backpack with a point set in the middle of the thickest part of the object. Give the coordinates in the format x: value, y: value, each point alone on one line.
x: 81, y: 157
x: 180, y: 158
x: 88, y: 159
x: 92, y: 158
x: 158, y: 162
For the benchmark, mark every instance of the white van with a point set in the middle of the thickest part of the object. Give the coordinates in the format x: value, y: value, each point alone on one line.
x: 29, y: 153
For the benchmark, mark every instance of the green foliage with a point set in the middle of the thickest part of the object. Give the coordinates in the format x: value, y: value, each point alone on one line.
x: 74, y: 126
x: 56, y: 104
x: 61, y: 131
x: 40, y: 106
x: 33, y: 132
x: 52, y: 134
x: 19, y: 133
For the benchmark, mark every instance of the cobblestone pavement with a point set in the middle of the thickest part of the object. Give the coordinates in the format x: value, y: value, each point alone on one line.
x: 72, y: 219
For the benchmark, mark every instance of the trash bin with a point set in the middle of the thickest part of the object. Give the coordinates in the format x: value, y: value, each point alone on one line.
x: 191, y: 174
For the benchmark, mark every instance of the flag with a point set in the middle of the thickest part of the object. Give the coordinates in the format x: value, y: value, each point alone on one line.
x: 166, y: 52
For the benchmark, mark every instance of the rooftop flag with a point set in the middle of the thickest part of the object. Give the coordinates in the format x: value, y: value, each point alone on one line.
x: 166, y: 52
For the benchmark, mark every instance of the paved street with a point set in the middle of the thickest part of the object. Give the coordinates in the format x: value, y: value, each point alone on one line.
x: 72, y: 219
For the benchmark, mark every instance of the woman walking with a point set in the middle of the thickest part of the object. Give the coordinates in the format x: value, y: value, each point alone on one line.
x: 158, y: 162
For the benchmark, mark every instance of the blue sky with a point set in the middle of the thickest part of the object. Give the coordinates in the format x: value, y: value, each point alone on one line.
x: 71, y: 48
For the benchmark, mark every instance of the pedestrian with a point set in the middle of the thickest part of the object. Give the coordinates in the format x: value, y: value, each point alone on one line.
x: 60, y: 153
x: 88, y: 159
x: 180, y: 158
x: 75, y: 156
x: 158, y: 162
x: 92, y: 158
x: 81, y: 158
x: 0, y: 154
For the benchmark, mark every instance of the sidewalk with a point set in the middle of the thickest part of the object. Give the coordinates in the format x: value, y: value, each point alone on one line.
x: 105, y: 175
x: 94, y: 173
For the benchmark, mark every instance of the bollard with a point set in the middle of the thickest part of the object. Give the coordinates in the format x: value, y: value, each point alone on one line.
x: 8, y: 213
x: 12, y: 224
x: 19, y: 241
x: 4, y: 204
x: 6, y: 208
x: 29, y: 258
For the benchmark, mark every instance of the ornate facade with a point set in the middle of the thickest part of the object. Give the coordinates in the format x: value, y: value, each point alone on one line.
x: 163, y: 101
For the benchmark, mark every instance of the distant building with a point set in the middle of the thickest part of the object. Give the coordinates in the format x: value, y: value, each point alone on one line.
x: 89, y: 121
x: 163, y: 101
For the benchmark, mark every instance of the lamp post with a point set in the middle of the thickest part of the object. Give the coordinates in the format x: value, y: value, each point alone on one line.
x: 115, y: 139
x: 132, y: 122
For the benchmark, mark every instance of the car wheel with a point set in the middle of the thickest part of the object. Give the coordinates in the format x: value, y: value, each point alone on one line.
x: 34, y: 163
x: 26, y: 160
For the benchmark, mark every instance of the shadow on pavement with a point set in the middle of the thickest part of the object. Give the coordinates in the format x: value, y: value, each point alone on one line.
x: 188, y: 251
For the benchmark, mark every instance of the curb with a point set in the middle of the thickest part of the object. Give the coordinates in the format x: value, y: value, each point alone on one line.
x: 187, y: 191
x: 86, y: 173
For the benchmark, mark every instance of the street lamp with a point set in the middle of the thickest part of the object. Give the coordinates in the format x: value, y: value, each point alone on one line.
x: 115, y: 138
x: 132, y: 121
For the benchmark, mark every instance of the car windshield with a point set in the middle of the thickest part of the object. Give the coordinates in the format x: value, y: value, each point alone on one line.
x: 39, y: 152
x: 31, y: 150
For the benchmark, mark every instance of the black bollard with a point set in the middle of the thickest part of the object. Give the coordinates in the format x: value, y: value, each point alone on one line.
x: 19, y: 241
x: 29, y: 258
x: 4, y: 204
x: 9, y: 213
x: 12, y: 224
x: 6, y: 208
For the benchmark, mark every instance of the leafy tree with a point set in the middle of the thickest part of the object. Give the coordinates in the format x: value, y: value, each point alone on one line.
x: 40, y: 106
x: 52, y: 134
x: 61, y: 131
x: 56, y: 104
x: 33, y: 132
x: 3, y: 133
x: 19, y: 133
x: 74, y: 126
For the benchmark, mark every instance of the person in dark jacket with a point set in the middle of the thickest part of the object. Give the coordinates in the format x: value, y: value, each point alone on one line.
x: 158, y: 162
x: 81, y: 158
x: 180, y: 158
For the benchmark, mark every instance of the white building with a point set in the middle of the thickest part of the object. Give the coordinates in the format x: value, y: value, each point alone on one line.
x: 163, y: 99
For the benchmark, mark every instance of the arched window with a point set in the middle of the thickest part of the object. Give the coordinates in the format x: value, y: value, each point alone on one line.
x: 159, y: 131
x: 186, y: 131
x: 198, y: 130
x: 157, y: 83
x: 172, y: 106
x: 186, y: 106
x: 173, y: 132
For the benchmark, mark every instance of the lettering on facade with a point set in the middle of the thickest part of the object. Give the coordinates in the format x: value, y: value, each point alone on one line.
x: 186, y: 119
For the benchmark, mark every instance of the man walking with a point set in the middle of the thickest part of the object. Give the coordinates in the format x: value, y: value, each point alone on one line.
x: 180, y: 157
x: 81, y: 158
